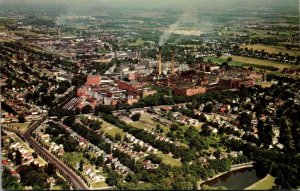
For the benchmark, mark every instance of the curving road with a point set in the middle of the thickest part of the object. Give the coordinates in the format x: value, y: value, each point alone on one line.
x: 72, y: 176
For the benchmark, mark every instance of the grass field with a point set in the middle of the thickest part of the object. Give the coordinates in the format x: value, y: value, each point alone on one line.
x: 264, y: 184
x: 264, y: 33
x: 73, y: 158
x: 99, y: 185
x: 111, y: 129
x: 169, y: 160
x: 272, y: 49
x: 138, y: 42
x: 141, y: 125
x: 246, y: 61
x: 145, y: 117
x: 146, y: 122
x: 20, y: 126
x: 57, y: 187
x: 265, y: 84
x: 255, y: 61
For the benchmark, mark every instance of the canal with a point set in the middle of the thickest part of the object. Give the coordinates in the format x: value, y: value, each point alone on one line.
x: 235, y: 180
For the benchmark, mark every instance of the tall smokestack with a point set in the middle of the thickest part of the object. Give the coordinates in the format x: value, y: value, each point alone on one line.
x: 159, y: 61
x: 59, y: 32
x: 173, y: 60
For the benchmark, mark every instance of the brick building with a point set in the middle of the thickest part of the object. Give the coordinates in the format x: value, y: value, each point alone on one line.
x: 93, y: 80
x: 235, y: 83
x: 130, y: 86
x: 189, y: 91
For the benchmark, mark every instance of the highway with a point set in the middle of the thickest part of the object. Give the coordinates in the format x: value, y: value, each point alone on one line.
x: 77, y: 182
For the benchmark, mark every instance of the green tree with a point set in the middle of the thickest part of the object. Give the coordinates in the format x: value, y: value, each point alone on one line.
x: 18, y: 157
x: 118, y: 137
x: 81, y: 165
x: 131, y: 178
x: 136, y: 117
x: 95, y: 125
x: 99, y: 161
x: 219, y: 54
x: 10, y: 182
x: 260, y: 128
x: 50, y: 169
x: 21, y: 119
x: 183, y: 185
x: 208, y: 108
x: 86, y: 109
x: 112, y: 178
x: 69, y: 120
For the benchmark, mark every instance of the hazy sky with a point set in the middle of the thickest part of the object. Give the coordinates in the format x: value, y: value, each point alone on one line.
x: 204, y: 6
x: 163, y: 3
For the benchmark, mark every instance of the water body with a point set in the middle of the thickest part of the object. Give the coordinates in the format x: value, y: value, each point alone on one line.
x: 235, y: 180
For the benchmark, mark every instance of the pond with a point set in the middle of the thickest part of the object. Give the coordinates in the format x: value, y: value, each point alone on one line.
x: 235, y: 180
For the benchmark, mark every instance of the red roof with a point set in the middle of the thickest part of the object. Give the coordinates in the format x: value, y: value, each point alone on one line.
x: 4, y: 162
x: 13, y: 172
x: 222, y: 109
x: 166, y: 108
x: 83, y: 140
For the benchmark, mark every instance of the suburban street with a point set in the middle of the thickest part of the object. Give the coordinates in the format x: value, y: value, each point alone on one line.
x: 72, y: 176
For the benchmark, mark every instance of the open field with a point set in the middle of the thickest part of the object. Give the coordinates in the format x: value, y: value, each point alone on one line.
x: 57, y: 187
x: 246, y: 61
x: 263, y: 184
x: 5, y: 40
x: 138, y: 42
x: 141, y: 125
x: 111, y: 129
x: 145, y: 117
x: 260, y: 62
x: 99, y: 185
x: 19, y: 126
x: 146, y: 122
x: 265, y: 84
x: 169, y: 160
x: 73, y: 158
x: 272, y: 49
x: 266, y: 33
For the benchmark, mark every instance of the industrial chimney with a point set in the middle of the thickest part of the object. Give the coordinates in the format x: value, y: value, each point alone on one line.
x: 173, y: 60
x: 158, y: 67
x: 59, y: 32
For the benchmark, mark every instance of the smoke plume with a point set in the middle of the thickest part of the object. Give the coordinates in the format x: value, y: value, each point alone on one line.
x: 189, y: 16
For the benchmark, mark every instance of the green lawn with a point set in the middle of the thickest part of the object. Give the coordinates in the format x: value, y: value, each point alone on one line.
x: 271, y: 49
x: 138, y: 42
x: 265, y: 84
x: 73, y: 158
x: 146, y: 118
x: 57, y: 187
x: 99, y: 185
x: 261, y: 62
x: 264, y: 184
x: 141, y: 125
x: 150, y: 123
x: 111, y: 129
x: 167, y: 159
x: 19, y: 126
x: 244, y: 61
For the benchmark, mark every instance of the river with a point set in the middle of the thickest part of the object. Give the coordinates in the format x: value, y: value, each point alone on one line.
x: 235, y: 180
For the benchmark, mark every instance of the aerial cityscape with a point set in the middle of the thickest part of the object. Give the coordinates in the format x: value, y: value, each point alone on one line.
x: 150, y: 95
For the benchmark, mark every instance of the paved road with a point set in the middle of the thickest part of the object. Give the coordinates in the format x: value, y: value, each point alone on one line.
x: 73, y: 177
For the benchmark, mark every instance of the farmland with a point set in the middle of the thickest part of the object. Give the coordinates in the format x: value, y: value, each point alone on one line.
x: 272, y: 49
